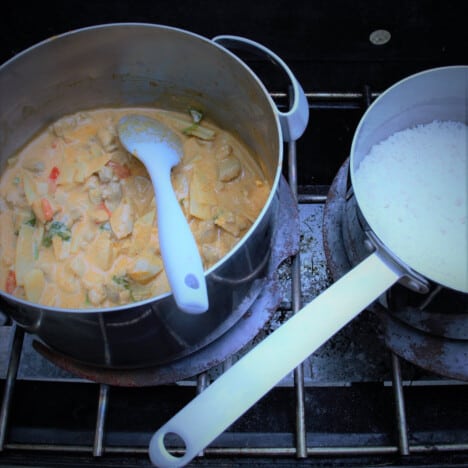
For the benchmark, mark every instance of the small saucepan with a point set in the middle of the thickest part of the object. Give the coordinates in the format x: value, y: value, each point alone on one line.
x: 415, y: 253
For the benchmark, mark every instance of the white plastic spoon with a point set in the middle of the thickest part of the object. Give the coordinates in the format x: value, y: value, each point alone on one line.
x: 160, y: 149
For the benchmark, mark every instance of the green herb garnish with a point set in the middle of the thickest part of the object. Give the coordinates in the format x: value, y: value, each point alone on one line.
x: 125, y: 283
x: 31, y: 221
x: 122, y: 281
x: 56, y: 228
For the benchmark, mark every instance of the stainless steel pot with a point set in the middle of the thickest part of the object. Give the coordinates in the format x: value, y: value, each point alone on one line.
x: 144, y: 64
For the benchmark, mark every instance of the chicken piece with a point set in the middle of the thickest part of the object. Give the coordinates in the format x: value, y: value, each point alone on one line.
x: 96, y: 295
x: 92, y: 182
x: 121, y: 220
x: 34, y: 165
x: 231, y: 222
x: 229, y: 169
x: 78, y: 266
x: 210, y: 253
x: 108, y: 139
x: 204, y: 231
x: 145, y: 268
x: 112, y: 292
x: 223, y: 150
x: 105, y: 174
x: 64, y: 125
x: 66, y: 280
x: 91, y: 278
x: 142, y: 230
x: 95, y: 196
x: 99, y: 215
x: 112, y: 194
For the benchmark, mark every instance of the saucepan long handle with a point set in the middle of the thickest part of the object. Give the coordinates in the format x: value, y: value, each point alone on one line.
x: 234, y: 392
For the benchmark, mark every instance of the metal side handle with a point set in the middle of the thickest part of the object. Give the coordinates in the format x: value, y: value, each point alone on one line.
x: 295, y: 120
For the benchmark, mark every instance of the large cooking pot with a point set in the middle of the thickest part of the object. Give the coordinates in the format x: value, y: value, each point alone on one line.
x: 438, y: 94
x: 144, y: 64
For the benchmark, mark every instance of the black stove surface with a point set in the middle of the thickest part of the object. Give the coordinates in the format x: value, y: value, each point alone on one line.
x: 326, y: 44
x: 57, y: 420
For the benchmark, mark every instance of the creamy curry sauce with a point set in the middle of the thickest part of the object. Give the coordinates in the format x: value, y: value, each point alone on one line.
x: 77, y: 212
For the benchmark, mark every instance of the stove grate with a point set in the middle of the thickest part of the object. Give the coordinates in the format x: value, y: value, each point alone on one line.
x: 395, y: 420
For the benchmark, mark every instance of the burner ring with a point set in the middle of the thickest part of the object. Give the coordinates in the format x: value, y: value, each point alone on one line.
x: 285, y: 245
x: 439, y: 345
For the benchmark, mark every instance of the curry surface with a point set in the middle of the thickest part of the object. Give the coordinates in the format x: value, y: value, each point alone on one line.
x: 78, y: 222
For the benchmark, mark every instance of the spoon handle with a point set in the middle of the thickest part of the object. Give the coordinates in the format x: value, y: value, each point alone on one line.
x: 179, y: 251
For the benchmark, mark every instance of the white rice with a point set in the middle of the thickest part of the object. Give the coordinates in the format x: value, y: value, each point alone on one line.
x: 412, y: 190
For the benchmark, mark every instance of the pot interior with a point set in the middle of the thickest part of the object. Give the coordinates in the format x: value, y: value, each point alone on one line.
x: 135, y: 64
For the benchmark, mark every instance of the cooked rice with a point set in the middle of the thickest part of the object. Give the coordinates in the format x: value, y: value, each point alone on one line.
x: 412, y: 189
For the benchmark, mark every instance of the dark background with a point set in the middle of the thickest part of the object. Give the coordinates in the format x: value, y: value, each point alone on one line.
x: 325, y: 43
x: 314, y: 36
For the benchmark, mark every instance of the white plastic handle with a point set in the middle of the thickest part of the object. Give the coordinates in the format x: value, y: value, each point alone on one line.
x: 179, y: 251
x: 294, y: 121
x: 235, y: 391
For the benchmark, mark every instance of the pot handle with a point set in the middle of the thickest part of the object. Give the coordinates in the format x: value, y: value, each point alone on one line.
x: 294, y: 121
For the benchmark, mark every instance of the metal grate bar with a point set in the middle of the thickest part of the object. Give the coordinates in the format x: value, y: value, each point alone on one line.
x: 252, y: 451
x: 100, y: 420
x: 311, y: 198
x: 300, y: 450
x: 202, y: 384
x: 15, y: 355
x: 399, y: 406
x: 325, y: 96
x: 301, y: 444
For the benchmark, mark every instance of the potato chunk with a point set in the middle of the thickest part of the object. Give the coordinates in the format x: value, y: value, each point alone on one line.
x: 229, y: 169
x: 25, y: 252
x: 145, y: 268
x: 121, y: 220
x: 34, y: 283
x: 100, y: 252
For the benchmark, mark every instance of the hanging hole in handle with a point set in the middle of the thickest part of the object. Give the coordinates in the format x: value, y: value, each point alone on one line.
x: 159, y: 447
x: 175, y: 441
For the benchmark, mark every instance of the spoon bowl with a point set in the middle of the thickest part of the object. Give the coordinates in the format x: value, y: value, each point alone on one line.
x: 160, y: 149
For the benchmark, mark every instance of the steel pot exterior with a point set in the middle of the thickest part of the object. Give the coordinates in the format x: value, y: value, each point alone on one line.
x: 143, y: 64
